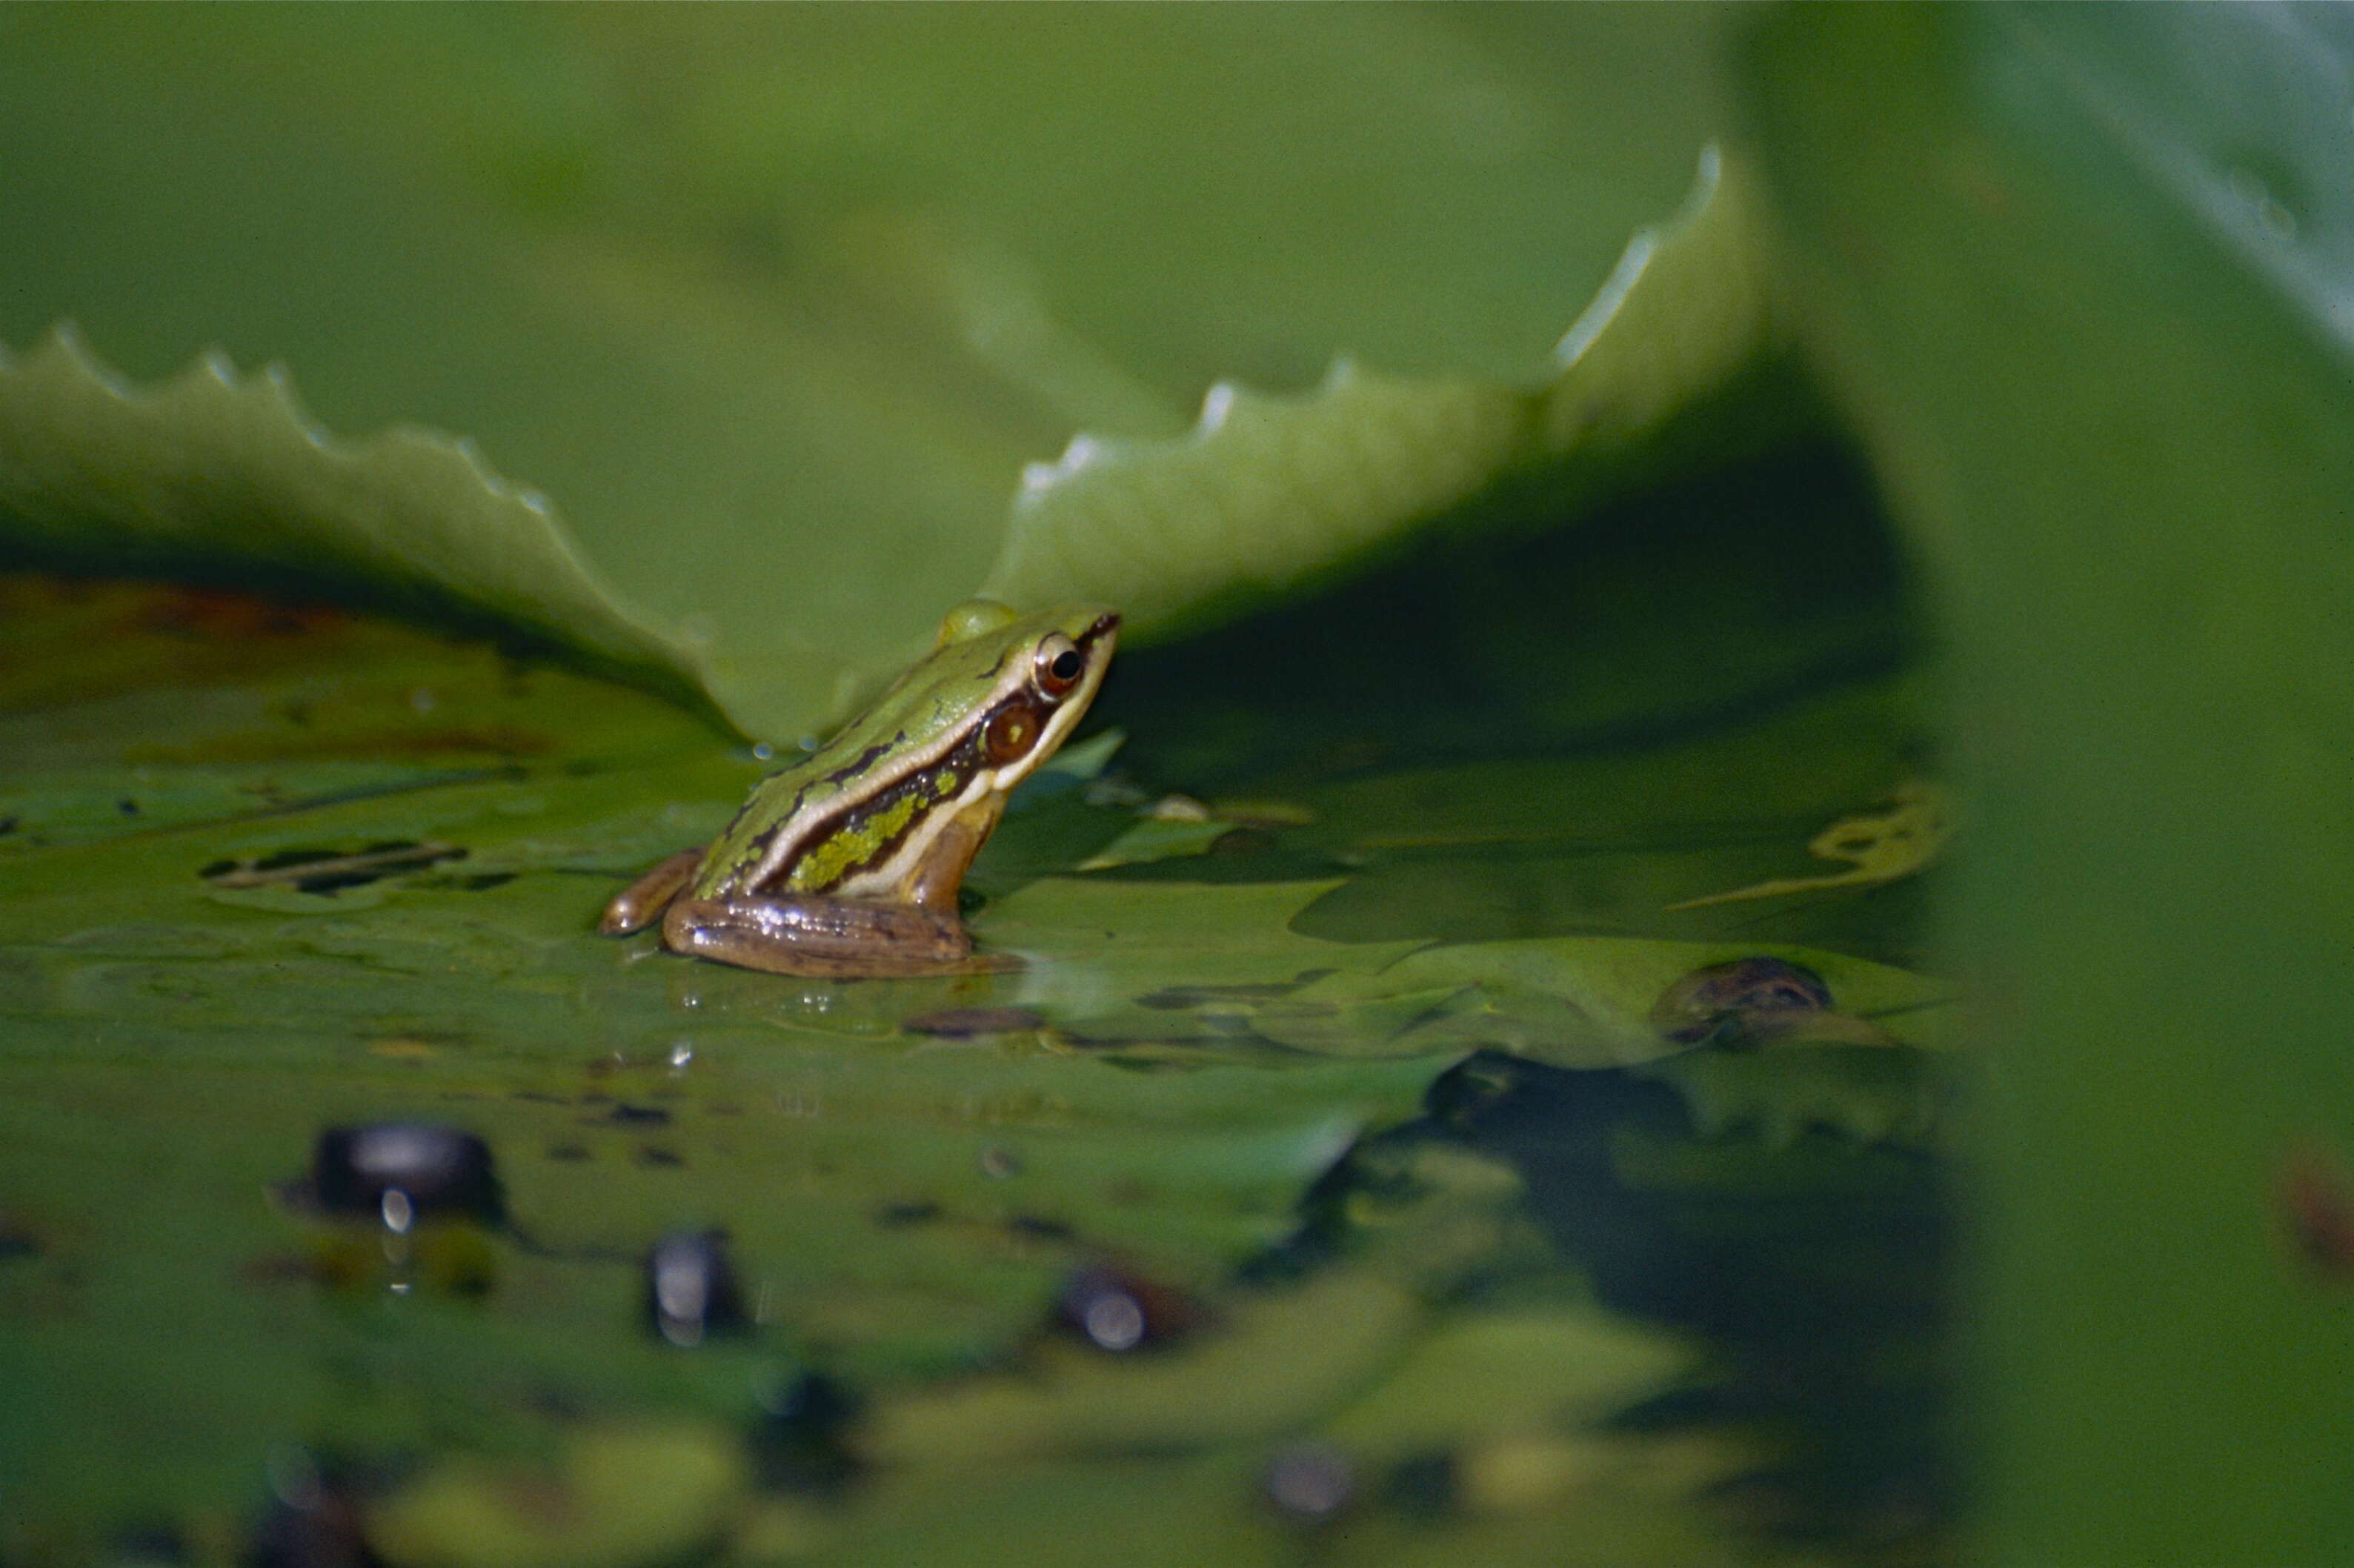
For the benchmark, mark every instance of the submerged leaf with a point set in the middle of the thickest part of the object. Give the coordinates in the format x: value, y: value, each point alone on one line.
x: 1867, y: 1093
x: 1884, y: 846
x: 1282, y: 1358
x: 1490, y: 1373
x: 621, y: 1498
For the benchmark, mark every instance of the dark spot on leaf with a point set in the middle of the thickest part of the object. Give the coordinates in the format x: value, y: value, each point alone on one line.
x: 567, y: 1152
x: 1039, y: 1228
x: 964, y: 1023
x: 1423, y: 1485
x: 1174, y: 997
x: 17, y: 1241
x: 147, y: 1547
x: 637, y: 1115
x: 127, y: 806
x: 1238, y: 841
x: 329, y: 870
x: 916, y: 1213
x: 660, y: 1158
x: 537, y: 1096
x: 2316, y: 1200
x: 276, y: 1270
x: 313, y: 1521
x: 7, y: 825
x: 798, y: 1443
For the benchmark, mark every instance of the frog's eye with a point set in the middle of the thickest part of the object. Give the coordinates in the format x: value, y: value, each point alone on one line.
x: 1059, y: 665
x: 1012, y: 733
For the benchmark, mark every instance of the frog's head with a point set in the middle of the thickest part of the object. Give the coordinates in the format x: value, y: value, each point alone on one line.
x: 1023, y: 680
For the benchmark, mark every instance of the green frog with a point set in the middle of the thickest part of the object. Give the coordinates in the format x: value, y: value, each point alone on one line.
x: 848, y: 862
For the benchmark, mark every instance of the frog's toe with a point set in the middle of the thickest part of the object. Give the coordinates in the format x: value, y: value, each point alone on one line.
x: 639, y: 905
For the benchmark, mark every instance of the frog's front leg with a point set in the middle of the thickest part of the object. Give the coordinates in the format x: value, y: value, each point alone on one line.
x: 640, y: 904
x: 839, y: 937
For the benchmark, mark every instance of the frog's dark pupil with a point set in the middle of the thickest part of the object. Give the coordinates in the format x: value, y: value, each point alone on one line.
x: 1067, y: 665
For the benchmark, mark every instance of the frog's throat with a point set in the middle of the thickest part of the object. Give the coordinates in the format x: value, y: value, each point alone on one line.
x: 813, y: 821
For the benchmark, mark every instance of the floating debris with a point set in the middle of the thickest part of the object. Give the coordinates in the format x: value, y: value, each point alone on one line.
x: 1717, y: 1004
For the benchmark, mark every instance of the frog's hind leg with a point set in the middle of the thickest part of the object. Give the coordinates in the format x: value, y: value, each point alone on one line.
x: 838, y: 937
x: 643, y: 902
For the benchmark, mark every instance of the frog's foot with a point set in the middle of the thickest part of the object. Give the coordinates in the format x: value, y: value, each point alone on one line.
x: 833, y: 937
x: 642, y: 903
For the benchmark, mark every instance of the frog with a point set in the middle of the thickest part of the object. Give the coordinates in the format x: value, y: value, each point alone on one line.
x: 848, y: 862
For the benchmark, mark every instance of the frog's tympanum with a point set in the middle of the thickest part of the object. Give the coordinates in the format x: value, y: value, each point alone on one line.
x: 848, y: 862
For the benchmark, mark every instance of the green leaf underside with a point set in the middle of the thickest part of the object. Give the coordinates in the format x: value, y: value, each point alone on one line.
x: 1267, y: 494
x: 215, y: 475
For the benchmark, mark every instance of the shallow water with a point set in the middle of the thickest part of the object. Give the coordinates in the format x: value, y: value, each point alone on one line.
x: 1241, y: 1223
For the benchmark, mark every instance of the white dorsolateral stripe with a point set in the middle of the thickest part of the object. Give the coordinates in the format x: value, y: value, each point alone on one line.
x: 812, y: 820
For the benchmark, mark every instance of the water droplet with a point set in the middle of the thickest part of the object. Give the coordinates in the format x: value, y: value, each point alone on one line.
x: 1117, y: 1311
x: 1114, y: 1321
x: 690, y: 1290
x: 1309, y: 1481
x: 403, y: 1168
